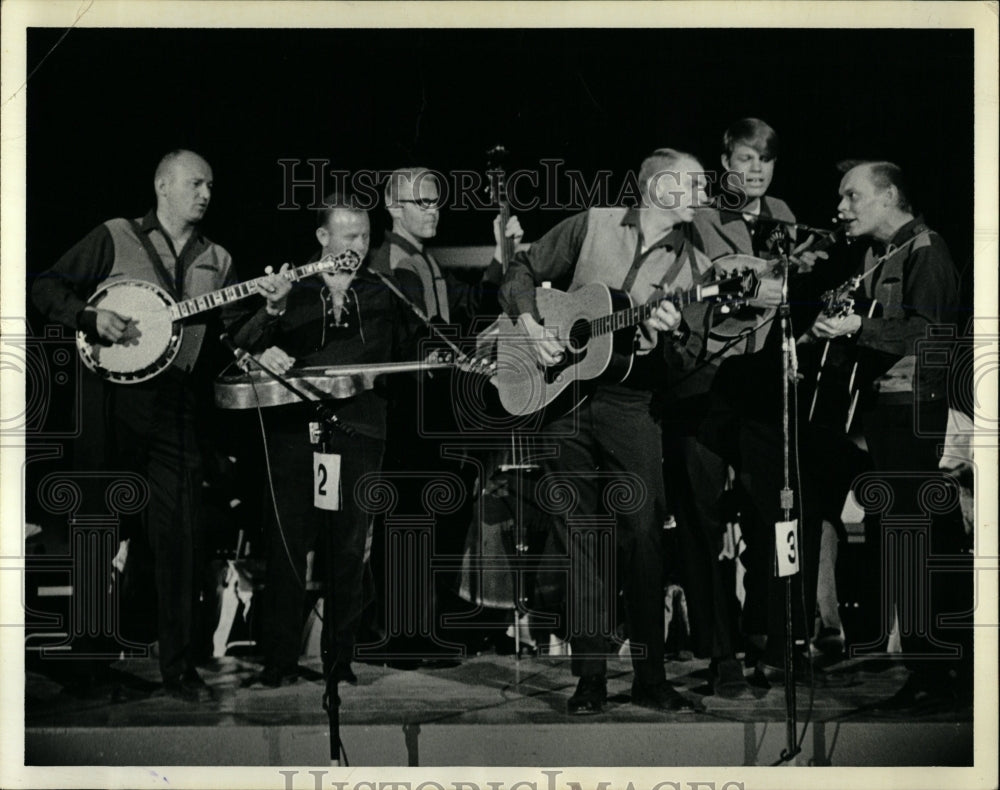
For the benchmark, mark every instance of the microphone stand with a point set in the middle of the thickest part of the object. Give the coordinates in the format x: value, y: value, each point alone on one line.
x: 321, y: 434
x: 787, y: 501
x: 782, y: 223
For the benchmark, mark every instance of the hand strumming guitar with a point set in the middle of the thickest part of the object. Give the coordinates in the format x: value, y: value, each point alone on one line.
x: 547, y: 348
x: 276, y: 359
x: 827, y: 327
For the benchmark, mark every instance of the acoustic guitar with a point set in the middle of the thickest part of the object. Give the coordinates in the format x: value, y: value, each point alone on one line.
x: 595, y: 324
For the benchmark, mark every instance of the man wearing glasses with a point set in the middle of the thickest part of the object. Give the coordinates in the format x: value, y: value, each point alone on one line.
x: 413, y: 200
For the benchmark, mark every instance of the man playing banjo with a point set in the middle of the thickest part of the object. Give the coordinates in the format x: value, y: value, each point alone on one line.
x: 149, y: 427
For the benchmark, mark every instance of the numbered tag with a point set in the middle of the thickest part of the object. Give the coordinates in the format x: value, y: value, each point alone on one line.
x: 326, y: 481
x: 786, y: 545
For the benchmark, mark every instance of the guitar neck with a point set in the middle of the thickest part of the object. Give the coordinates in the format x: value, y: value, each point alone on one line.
x: 631, y: 316
x: 233, y: 293
x: 377, y: 368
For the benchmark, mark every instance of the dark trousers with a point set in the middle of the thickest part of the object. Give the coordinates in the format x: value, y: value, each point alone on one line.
x: 903, y: 442
x: 610, y: 471
x: 154, y: 434
x: 695, y: 478
x: 339, y: 538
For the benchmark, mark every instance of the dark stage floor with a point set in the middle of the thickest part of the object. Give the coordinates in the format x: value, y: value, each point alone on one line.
x: 488, y: 710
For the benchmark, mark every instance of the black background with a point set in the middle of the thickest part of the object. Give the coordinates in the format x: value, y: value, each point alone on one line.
x: 106, y: 104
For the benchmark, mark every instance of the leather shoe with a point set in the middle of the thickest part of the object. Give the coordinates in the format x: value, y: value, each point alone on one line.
x: 917, y: 698
x: 590, y: 695
x: 273, y: 677
x: 829, y: 642
x: 728, y: 680
x: 662, y: 697
x: 188, y: 687
x: 342, y: 673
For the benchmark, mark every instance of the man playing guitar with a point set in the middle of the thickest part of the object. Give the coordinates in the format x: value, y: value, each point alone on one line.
x: 612, y: 439
x: 909, y: 290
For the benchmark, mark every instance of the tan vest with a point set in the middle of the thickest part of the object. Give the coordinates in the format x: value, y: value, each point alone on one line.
x: 207, y: 272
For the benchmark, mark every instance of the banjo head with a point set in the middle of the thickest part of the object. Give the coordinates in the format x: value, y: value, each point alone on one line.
x: 152, y: 338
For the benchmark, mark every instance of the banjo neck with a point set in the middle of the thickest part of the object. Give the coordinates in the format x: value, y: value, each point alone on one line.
x: 233, y: 293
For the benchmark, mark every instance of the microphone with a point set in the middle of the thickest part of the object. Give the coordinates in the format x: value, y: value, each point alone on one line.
x: 787, y: 223
x: 241, y: 354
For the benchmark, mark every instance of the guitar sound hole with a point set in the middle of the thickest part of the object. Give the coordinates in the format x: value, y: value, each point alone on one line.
x: 576, y: 350
x: 579, y: 337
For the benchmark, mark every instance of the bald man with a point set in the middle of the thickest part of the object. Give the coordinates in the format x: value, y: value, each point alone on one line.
x: 910, y: 288
x: 151, y: 428
x: 612, y: 443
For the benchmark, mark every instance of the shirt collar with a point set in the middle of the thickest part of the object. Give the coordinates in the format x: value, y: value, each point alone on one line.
x: 737, y: 215
x: 673, y: 239
x: 908, y: 231
x: 151, y: 222
x: 900, y: 237
x: 405, y: 243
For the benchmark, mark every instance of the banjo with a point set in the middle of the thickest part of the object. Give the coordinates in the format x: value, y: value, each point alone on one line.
x: 154, y: 333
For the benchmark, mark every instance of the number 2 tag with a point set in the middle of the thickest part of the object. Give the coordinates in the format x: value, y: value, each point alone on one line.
x: 787, y: 547
x: 326, y: 481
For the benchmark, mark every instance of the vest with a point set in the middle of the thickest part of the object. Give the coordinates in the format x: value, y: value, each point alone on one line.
x: 433, y: 286
x: 207, y: 272
x: 886, y: 287
x: 724, y: 234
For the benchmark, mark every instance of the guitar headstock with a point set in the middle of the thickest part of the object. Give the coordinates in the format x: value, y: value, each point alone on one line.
x: 839, y: 302
x: 479, y: 362
x: 737, y: 287
x: 347, y: 262
x: 496, y: 186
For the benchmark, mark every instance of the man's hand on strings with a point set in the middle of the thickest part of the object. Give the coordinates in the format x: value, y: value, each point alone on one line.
x: 110, y: 325
x: 806, y: 258
x: 828, y: 327
x: 513, y: 231
x: 274, y: 288
x: 666, y: 317
x: 276, y: 359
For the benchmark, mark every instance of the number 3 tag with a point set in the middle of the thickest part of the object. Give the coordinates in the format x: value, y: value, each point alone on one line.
x: 787, y: 547
x: 326, y: 481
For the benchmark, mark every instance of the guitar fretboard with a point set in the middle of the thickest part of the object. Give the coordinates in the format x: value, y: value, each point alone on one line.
x: 233, y: 293
x: 631, y: 316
